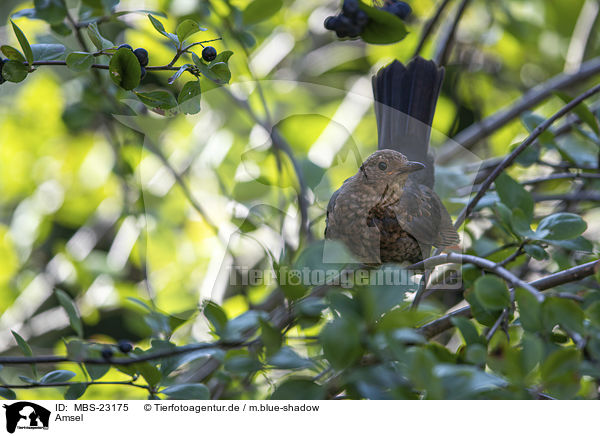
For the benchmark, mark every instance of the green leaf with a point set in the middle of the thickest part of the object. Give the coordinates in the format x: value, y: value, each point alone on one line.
x: 13, y: 54
x: 58, y: 376
x: 22, y: 343
x: 242, y: 364
x: 492, y: 292
x: 187, y: 28
x: 157, y: 99
x: 124, y: 69
x: 582, y: 112
x: 222, y: 57
x: 150, y: 373
x: 593, y: 313
x: 80, y: 61
x: 96, y: 371
x: 341, y: 342
x: 98, y: 40
x: 67, y: 303
x: 535, y: 251
x: 260, y: 10
x: 513, y: 195
x: 61, y: 29
x: 567, y: 313
x: 299, y: 388
x: 47, y: 52
x: 23, y: 42
x: 75, y: 391
x: 52, y: 11
x: 383, y: 27
x: 189, y: 97
x: 161, y: 29
x: 215, y: 315
x: 270, y: 336
x: 482, y: 314
x: 287, y: 358
x: 221, y: 72
x: 559, y: 371
x: 530, y: 310
x: 14, y: 71
x: 187, y: 391
x: 468, y: 331
x: 560, y: 226
x: 8, y: 394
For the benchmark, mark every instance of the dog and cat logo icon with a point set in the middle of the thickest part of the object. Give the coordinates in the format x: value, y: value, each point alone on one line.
x: 26, y: 415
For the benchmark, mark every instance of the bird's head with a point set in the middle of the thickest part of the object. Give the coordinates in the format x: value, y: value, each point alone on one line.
x: 388, y: 166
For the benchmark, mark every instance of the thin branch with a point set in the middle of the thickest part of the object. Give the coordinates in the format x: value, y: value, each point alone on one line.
x: 576, y: 273
x: 443, y: 53
x: 67, y: 384
x: 467, y: 138
x: 21, y: 360
x: 571, y: 196
x: 428, y: 28
x: 558, y: 176
x: 497, y: 325
x: 508, y: 160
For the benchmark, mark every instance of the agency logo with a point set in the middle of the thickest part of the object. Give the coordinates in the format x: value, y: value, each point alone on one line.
x: 26, y: 415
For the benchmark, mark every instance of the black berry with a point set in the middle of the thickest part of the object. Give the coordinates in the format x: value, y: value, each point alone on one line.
x: 126, y: 46
x: 107, y: 353
x: 2, y: 80
x: 361, y: 19
x: 331, y: 23
x: 350, y: 8
x: 209, y: 54
x: 142, y: 73
x: 401, y: 9
x: 142, y: 55
x: 125, y: 346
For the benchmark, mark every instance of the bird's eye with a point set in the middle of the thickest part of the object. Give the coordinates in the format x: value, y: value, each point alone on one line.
x: 382, y: 166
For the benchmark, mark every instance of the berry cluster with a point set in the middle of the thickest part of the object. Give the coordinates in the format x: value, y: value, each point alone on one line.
x: 2, y: 61
x: 398, y: 8
x: 350, y: 22
x: 209, y: 53
x: 142, y: 56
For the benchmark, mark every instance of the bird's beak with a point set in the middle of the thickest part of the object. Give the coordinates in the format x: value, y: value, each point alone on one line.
x: 412, y: 166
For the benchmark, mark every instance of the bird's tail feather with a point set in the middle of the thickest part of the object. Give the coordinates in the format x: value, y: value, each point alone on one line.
x: 405, y: 99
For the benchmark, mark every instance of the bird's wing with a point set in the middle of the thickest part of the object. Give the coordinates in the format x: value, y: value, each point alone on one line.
x: 329, y: 217
x: 421, y: 213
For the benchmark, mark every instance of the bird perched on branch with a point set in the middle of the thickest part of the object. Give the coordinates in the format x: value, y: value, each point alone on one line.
x: 388, y: 211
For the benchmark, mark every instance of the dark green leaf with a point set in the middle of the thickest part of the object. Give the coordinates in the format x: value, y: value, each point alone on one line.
x: 98, y: 40
x: 62, y: 29
x: 492, y: 292
x: 287, y: 358
x: 483, y: 315
x: 52, y: 11
x: 186, y: 29
x: 218, y: 73
x: 271, y: 337
x: 58, y: 376
x: 75, y: 391
x: 22, y: 343
x: 150, y: 373
x: 189, y: 97
x: 215, y: 315
x: 47, y: 52
x: 8, y: 394
x: 468, y: 331
x: 341, y: 342
x: 561, y: 226
x: 530, y: 310
x: 531, y: 121
x: 513, y: 195
x: 14, y: 71
x: 13, y: 54
x: 383, y: 27
x: 242, y: 364
x: 23, y: 42
x: 260, y: 10
x: 567, y: 313
x: 157, y: 99
x: 80, y: 61
x: 161, y: 29
x: 222, y: 57
x: 593, y: 313
x: 124, y: 69
x: 299, y: 389
x: 67, y: 303
x: 535, y: 251
x: 187, y: 391
x: 95, y: 371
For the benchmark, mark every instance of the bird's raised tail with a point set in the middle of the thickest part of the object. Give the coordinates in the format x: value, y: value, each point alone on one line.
x: 405, y: 99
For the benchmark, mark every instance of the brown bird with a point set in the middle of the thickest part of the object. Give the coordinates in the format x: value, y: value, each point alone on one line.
x: 387, y: 211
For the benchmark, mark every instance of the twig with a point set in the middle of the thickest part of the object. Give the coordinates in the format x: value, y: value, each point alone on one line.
x: 66, y: 384
x: 508, y: 160
x: 573, y: 196
x: 576, y: 273
x: 428, y: 28
x: 441, y: 57
x: 558, y: 176
x: 496, y: 325
x: 467, y: 138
